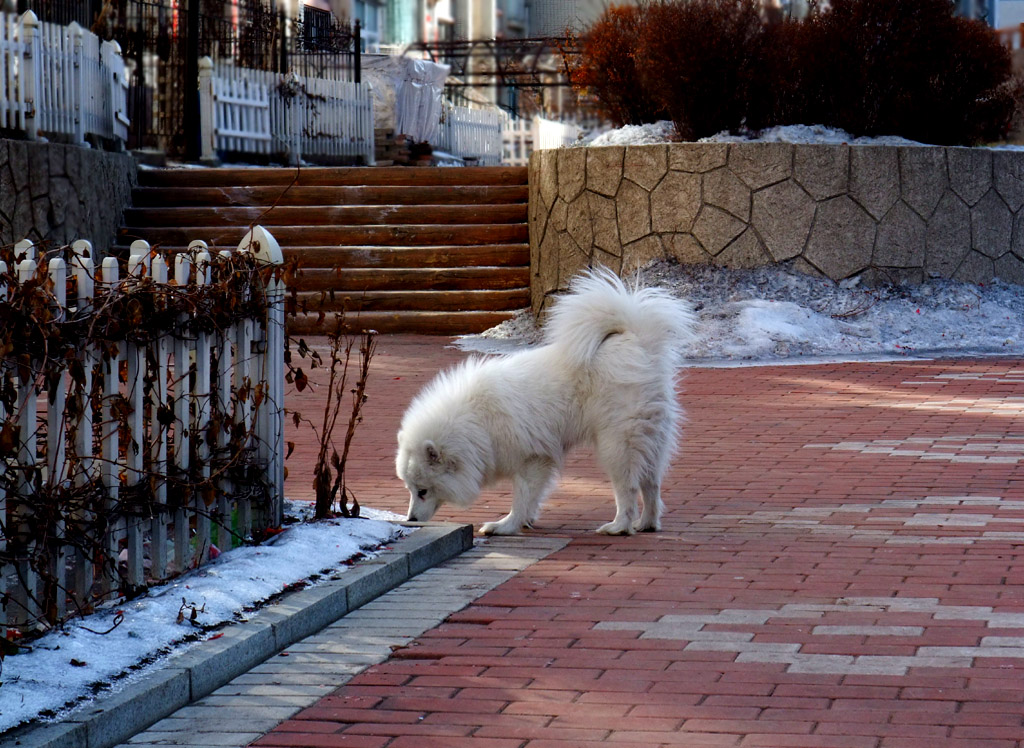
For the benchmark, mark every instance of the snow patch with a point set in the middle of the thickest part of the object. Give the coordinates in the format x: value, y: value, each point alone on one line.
x: 776, y: 315
x: 65, y: 664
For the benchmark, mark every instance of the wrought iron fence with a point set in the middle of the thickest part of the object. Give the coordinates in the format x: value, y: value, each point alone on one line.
x: 162, y: 41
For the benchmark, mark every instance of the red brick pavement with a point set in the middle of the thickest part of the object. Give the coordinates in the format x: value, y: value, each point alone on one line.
x: 840, y: 567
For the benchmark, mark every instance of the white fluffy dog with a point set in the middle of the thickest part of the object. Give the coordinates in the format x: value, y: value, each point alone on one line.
x: 605, y: 376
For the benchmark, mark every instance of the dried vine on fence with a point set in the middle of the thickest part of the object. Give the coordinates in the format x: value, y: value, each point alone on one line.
x: 187, y: 455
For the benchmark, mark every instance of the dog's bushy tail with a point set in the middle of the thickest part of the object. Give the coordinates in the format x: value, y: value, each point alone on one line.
x: 600, y: 304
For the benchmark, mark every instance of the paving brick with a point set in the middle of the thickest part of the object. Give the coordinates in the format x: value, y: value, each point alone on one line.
x: 831, y: 574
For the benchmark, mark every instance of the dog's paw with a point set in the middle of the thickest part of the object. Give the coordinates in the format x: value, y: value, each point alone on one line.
x: 500, y: 528
x: 649, y: 526
x: 616, y: 528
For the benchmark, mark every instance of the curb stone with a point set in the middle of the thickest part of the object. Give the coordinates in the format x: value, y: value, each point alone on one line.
x: 206, y: 666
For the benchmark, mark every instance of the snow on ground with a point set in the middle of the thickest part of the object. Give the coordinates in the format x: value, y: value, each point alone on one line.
x: 63, y: 665
x: 774, y: 315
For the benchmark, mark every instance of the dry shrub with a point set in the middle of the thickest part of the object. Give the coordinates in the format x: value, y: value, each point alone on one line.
x: 870, y: 67
x: 909, y: 68
x: 698, y: 58
x: 606, y: 68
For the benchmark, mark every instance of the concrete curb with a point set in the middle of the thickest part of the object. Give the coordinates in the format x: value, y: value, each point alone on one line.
x: 114, y: 718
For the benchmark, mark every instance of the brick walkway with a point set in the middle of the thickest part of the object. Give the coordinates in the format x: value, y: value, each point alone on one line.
x: 840, y: 566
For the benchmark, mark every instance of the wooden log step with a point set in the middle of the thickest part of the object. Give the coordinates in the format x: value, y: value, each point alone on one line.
x: 409, y: 301
x: 411, y: 279
x: 143, y: 197
x: 341, y: 175
x: 416, y: 323
x: 493, y: 255
x: 309, y: 236
x: 345, y: 215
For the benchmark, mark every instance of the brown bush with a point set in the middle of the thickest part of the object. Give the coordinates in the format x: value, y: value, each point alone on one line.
x: 909, y: 68
x: 870, y: 67
x: 697, y: 60
x: 606, y: 68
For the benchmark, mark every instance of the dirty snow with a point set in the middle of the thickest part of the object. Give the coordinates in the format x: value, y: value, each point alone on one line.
x: 806, y: 134
x: 63, y: 665
x: 649, y: 134
x: 664, y: 132
x: 775, y: 315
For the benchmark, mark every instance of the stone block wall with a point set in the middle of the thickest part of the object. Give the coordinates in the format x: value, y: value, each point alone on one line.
x: 884, y: 212
x: 59, y: 193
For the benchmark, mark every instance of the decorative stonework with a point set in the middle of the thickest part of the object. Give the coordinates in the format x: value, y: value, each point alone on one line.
x: 59, y: 193
x: 887, y: 212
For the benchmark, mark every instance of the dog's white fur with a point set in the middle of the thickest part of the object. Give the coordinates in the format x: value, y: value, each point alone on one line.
x: 605, y: 376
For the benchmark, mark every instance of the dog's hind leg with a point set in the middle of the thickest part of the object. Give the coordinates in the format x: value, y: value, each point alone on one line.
x: 625, y: 509
x: 650, y: 518
x: 530, y: 486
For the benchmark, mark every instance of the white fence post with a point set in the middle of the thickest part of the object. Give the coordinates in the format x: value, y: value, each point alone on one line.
x: 76, y: 75
x: 29, y: 78
x: 201, y: 396
x: 270, y: 366
x: 56, y: 465
x: 158, y: 400
x: 112, y: 62
x: 26, y: 595
x: 182, y: 421
x: 206, y: 106
x: 134, y: 395
x: 82, y: 267
x: 4, y: 519
x: 226, y: 339
x: 110, y: 472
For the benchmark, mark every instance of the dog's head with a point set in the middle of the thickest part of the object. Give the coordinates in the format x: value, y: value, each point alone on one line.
x: 435, y: 474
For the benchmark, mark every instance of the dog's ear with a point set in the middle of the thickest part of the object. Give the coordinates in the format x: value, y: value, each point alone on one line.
x: 433, y: 456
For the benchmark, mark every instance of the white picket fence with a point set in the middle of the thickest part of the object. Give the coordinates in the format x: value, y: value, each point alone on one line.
x: 522, y: 137
x: 60, y: 80
x: 235, y: 373
x: 471, y: 134
x: 262, y: 112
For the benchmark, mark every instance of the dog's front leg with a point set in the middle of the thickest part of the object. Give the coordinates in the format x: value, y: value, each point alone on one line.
x: 529, y: 489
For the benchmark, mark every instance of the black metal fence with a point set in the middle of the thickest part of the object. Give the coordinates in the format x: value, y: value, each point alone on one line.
x: 162, y: 41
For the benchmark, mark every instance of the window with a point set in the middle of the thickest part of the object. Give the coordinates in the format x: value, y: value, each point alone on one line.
x: 316, y: 27
x: 370, y: 19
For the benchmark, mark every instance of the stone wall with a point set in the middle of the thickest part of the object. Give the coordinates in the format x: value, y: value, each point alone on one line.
x: 889, y: 213
x: 59, y: 193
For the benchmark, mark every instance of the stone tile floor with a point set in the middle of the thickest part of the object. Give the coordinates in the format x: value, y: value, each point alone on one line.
x: 840, y: 567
